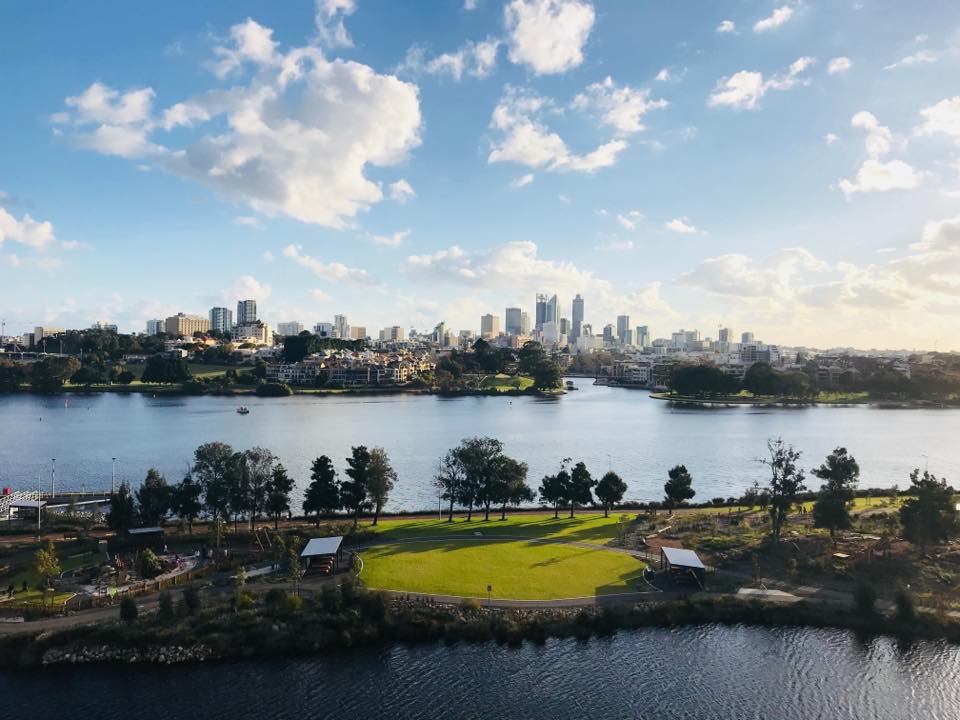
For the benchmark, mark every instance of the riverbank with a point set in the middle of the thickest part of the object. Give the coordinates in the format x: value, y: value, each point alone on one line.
x: 825, y: 399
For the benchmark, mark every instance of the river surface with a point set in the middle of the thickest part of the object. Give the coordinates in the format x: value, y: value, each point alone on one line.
x: 639, y: 437
x: 690, y: 673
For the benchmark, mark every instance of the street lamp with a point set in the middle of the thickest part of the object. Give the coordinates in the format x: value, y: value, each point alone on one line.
x: 53, y: 478
x: 113, y: 477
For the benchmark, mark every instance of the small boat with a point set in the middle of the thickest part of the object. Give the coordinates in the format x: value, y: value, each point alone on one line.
x: 243, y: 410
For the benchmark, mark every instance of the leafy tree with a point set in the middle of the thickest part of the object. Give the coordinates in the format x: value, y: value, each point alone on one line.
x: 272, y: 389
x: 125, y: 377
x: 153, y: 498
x: 554, y: 489
x: 91, y: 374
x: 610, y: 491
x: 323, y: 493
x: 529, y: 356
x: 278, y: 493
x: 128, y: 610
x: 449, y: 480
x: 701, y: 380
x: 165, y: 369
x: 580, y: 486
x: 761, y: 379
x: 786, y: 483
x: 678, y: 488
x: 238, y: 487
x: 259, y: 465
x: 297, y: 347
x: 382, y: 477
x: 478, y: 456
x: 12, y: 375
x: 930, y: 516
x: 353, y: 492
x: 123, y: 512
x: 48, y: 565
x: 840, y: 473
x: 49, y: 375
x: 510, y: 484
x: 185, y: 500
x: 212, y: 467
x: 547, y: 375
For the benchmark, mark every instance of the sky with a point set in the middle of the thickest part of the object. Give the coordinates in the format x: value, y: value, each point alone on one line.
x: 791, y: 168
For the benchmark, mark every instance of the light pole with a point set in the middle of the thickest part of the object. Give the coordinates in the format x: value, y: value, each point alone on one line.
x: 113, y: 477
x: 39, y: 476
x: 53, y: 478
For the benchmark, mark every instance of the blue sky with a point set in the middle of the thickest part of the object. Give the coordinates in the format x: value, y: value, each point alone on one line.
x: 789, y: 168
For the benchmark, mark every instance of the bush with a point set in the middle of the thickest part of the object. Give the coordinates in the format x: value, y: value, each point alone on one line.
x: 128, y: 610
x: 274, y: 598
x: 331, y: 599
x: 271, y: 389
x: 165, y: 610
x: 865, y: 598
x: 903, y: 600
x: 470, y: 604
x: 149, y: 564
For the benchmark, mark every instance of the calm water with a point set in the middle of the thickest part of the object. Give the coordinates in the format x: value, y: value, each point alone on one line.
x: 639, y: 437
x: 690, y: 673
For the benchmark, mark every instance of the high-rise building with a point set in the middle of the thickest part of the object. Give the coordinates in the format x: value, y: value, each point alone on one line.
x: 577, y: 326
x: 154, y: 327
x: 623, y: 329
x: 323, y: 329
x: 746, y: 338
x: 565, y: 326
x: 524, y: 323
x: 221, y: 319
x: 541, y: 314
x: 246, y: 312
x: 439, y: 332
x: 607, y: 334
x: 725, y: 335
x: 553, y: 311
x: 489, y: 326
x: 392, y: 333
x: 289, y: 328
x: 513, y: 321
x: 550, y: 332
x: 358, y: 332
x: 341, y: 327
x: 643, y: 336
x: 182, y: 325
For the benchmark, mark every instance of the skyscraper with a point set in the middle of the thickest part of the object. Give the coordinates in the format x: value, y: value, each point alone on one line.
x: 623, y: 329
x: 565, y: 326
x: 513, y: 321
x: 548, y: 310
x: 746, y: 338
x: 725, y: 335
x: 577, y: 327
x: 643, y: 336
x: 246, y: 312
x: 221, y: 319
x: 489, y: 326
x: 289, y: 328
x: 524, y: 323
x: 341, y: 328
x: 541, y: 313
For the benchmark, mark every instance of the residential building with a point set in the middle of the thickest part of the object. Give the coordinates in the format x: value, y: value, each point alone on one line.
x: 246, y: 312
x: 513, y: 321
x: 289, y: 328
x: 104, y: 327
x: 357, y: 332
x: 489, y: 326
x: 524, y: 323
x: 154, y: 327
x: 394, y: 333
x: 623, y: 329
x: 341, y: 327
x: 256, y: 332
x: 746, y: 338
x: 183, y: 325
x: 221, y: 319
x: 577, y: 326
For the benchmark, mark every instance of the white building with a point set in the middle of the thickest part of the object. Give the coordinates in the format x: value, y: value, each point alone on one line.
x: 289, y: 328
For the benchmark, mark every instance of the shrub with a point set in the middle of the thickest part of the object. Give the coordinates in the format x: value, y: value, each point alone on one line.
x: 331, y: 599
x: 903, y: 600
x: 470, y: 604
x: 271, y: 389
x: 865, y: 598
x: 149, y: 564
x: 274, y: 598
x: 374, y: 606
x: 128, y: 610
x: 165, y: 608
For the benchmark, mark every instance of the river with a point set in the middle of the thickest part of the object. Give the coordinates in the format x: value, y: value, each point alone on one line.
x: 690, y: 673
x: 639, y: 437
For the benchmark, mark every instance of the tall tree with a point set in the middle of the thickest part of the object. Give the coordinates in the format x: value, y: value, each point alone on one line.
x: 323, y: 493
x: 49, y: 375
x: 477, y: 455
x: 185, y: 500
x: 678, y: 488
x: 153, y: 498
x: 840, y: 473
x: 278, y: 494
x: 554, y: 488
x: 238, y: 487
x: 48, y: 565
x: 212, y: 469
x: 449, y: 480
x: 259, y: 464
x: 353, y: 492
x: 123, y: 512
x: 580, y: 487
x: 930, y: 516
x: 511, y: 485
x: 382, y: 477
x: 610, y: 491
x: 786, y: 483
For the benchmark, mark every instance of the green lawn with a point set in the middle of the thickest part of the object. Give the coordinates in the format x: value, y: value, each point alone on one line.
x: 505, y: 383
x: 516, y: 569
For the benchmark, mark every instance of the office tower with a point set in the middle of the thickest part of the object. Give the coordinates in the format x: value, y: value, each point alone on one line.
x: 439, y: 332
x: 358, y: 332
x: 541, y: 313
x: 513, y: 321
x: 746, y: 338
x: 341, y: 327
x: 246, y: 312
x: 725, y: 335
x: 323, y: 329
x: 550, y: 332
x: 643, y: 336
x: 553, y: 311
x: 623, y: 329
x: 393, y: 333
x: 154, y: 327
x: 565, y: 326
x: 221, y: 319
x: 577, y: 326
x: 608, y: 333
x: 524, y: 323
x: 489, y: 326
x: 289, y: 328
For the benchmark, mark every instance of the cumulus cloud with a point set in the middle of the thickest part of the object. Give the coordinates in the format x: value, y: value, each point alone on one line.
x: 681, y: 226
x: 621, y: 107
x: 401, y: 191
x: 477, y: 59
x: 525, y: 139
x: 333, y: 271
x: 548, y: 35
x: 294, y: 137
x: 831, y: 138
x: 630, y: 219
x: 942, y: 118
x: 726, y: 26
x: 877, y: 174
x: 329, y: 17
x: 745, y: 89
x: 781, y: 16
x: 246, y: 287
x: 25, y: 231
x: 839, y: 65
x: 393, y: 240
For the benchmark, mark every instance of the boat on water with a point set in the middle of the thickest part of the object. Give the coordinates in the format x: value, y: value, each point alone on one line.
x: 243, y: 410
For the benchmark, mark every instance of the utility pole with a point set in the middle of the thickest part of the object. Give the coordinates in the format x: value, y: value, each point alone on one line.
x: 53, y: 478
x: 113, y: 477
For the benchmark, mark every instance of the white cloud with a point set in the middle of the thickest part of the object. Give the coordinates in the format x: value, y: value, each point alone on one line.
x: 921, y: 57
x: 681, y: 225
x: 663, y: 75
x: 329, y: 17
x: 877, y: 175
x: 295, y: 139
x: 267, y: 256
x: 621, y: 107
x: 525, y: 140
x: 839, y: 65
x: 726, y: 26
x: 629, y: 220
x: 780, y: 16
x: 401, y: 191
x: 245, y: 287
x: 473, y: 58
x: 615, y: 245
x: 940, y: 236
x: 831, y: 138
x: 548, y: 35
x: 333, y: 271
x: 26, y: 231
x: 318, y: 294
x: 247, y: 221
x: 469, y: 5
x: 522, y: 181
x: 745, y: 89
x: 394, y: 240
x: 941, y: 118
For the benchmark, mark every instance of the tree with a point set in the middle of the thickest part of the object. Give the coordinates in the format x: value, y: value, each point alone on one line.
x: 165, y: 369
x: 12, y: 375
x: 353, y: 492
x: 554, y: 489
x: 153, y: 498
x: 237, y: 481
x: 49, y: 375
x: 259, y: 465
x: 678, y: 488
x: 382, y: 477
x: 580, y: 487
x: 185, y: 500
x: 123, y: 512
x: 510, y: 484
x: 930, y: 516
x: 786, y: 482
x: 323, y: 493
x: 840, y: 473
x: 128, y: 610
x: 48, y: 565
x: 610, y: 491
x: 547, y: 375
x: 211, y: 467
x: 278, y: 493
x: 478, y: 456
x: 449, y: 480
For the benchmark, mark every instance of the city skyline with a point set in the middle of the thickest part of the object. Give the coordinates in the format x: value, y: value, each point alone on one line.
x: 630, y: 160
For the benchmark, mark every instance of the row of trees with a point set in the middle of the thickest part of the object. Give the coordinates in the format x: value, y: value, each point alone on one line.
x: 760, y: 379
x: 530, y: 360
x: 370, y: 479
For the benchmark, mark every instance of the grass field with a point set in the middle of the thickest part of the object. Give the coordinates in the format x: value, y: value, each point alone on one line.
x: 591, y: 528
x: 505, y: 383
x: 516, y: 569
